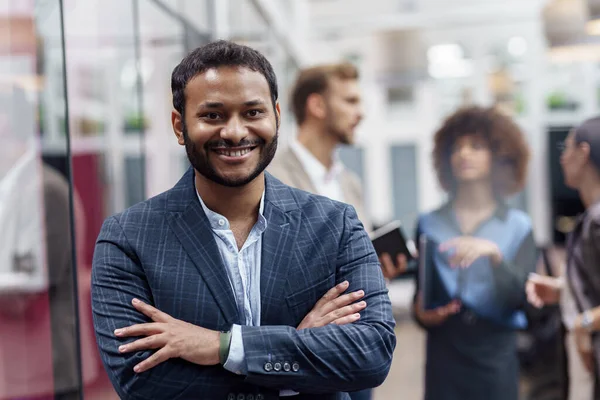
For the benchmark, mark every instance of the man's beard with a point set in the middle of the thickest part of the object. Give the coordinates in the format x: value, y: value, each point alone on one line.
x: 341, y: 136
x: 200, y: 160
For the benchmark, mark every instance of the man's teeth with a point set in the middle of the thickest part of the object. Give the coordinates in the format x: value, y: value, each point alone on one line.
x: 235, y: 153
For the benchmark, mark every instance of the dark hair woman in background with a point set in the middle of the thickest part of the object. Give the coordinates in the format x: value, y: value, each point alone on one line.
x: 484, y: 253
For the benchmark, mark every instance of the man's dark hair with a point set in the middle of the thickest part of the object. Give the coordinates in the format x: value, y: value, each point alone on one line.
x: 589, y: 132
x: 221, y: 53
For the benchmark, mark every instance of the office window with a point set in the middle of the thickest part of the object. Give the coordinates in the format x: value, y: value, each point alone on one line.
x: 353, y: 159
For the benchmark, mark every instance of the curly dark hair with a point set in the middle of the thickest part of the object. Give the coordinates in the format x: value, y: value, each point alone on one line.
x: 510, y: 151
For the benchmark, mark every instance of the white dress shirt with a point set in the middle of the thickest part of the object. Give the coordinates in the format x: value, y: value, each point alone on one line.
x: 326, y: 181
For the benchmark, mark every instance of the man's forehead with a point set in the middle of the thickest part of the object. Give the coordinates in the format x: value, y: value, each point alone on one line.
x: 345, y: 87
x: 228, y: 72
x: 338, y: 82
x: 218, y: 85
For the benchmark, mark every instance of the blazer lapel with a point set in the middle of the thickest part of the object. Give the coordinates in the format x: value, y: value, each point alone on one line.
x: 190, y: 224
x: 298, y: 174
x: 349, y: 190
x: 283, y: 224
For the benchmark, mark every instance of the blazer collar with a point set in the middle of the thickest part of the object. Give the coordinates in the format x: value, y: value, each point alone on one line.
x: 192, y: 228
x: 184, y: 195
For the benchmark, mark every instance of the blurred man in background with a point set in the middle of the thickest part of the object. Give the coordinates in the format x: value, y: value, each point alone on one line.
x: 326, y: 102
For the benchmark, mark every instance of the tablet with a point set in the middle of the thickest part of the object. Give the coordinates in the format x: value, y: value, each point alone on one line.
x: 390, y: 239
x: 430, y: 287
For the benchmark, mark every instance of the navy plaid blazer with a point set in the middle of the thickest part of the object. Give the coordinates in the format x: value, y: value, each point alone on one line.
x: 163, y: 252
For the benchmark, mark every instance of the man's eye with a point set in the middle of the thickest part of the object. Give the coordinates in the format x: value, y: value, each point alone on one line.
x: 212, y: 116
x: 254, y: 113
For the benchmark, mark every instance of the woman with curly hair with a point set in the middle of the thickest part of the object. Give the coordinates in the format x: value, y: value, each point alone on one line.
x: 483, y: 253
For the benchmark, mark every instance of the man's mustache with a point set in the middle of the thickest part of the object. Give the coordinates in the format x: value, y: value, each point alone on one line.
x: 224, y: 144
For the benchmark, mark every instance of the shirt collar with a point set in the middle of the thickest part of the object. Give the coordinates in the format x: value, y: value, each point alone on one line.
x: 219, y: 222
x: 313, y: 167
x: 501, y: 211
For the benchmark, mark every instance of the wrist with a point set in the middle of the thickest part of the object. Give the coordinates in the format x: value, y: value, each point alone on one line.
x: 585, y: 321
x: 496, y: 256
x: 224, y: 346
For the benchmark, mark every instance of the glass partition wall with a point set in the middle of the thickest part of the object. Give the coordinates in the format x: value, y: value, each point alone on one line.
x: 85, y: 132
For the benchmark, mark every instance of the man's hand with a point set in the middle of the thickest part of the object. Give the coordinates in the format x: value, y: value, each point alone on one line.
x: 171, y: 338
x: 466, y: 249
x: 335, y: 309
x: 391, y: 270
x: 543, y: 290
x: 437, y: 316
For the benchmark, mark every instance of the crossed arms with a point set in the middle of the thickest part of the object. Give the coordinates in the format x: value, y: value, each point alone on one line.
x: 349, y: 355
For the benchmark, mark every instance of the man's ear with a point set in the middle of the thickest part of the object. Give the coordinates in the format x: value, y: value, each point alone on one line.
x: 277, y: 114
x: 584, y: 150
x: 177, y: 122
x: 315, y: 106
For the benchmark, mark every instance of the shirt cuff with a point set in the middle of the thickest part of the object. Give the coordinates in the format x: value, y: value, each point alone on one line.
x: 236, y: 360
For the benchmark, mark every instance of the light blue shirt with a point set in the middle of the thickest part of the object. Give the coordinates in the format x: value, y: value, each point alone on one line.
x: 243, y: 270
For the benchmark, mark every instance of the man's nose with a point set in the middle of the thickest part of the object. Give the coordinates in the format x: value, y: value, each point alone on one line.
x: 465, y: 150
x: 235, y: 130
x: 361, y: 113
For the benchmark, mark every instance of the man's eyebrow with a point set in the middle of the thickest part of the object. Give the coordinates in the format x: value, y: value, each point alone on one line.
x: 256, y: 102
x: 211, y: 104
x: 217, y: 104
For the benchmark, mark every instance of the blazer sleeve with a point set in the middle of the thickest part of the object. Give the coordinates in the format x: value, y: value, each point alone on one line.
x: 331, y: 358
x: 117, y: 277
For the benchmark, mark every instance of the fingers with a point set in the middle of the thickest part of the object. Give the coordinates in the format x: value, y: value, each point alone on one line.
x: 391, y: 270
x: 332, y: 293
x: 347, y: 319
x: 148, y: 329
x: 159, y: 357
x: 147, y: 343
x: 346, y: 313
x: 153, y: 313
x: 342, y: 301
x: 469, y: 258
x: 549, y: 281
x: 532, y: 296
x: 401, y: 263
x: 332, y: 307
x: 440, y: 314
x: 464, y: 257
x: 449, y: 244
x: 449, y: 309
x: 588, y: 360
x: 387, y: 266
x: 542, y: 290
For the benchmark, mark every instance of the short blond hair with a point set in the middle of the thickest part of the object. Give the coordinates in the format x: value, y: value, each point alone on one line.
x: 316, y: 80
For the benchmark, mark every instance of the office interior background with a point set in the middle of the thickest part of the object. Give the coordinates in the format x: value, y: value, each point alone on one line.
x: 88, y: 84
